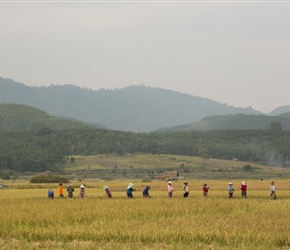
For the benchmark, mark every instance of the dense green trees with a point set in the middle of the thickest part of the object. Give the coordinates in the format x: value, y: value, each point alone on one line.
x: 24, y: 151
x: 31, y: 140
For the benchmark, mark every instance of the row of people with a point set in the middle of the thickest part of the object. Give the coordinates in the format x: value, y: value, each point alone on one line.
x: 70, y: 191
x: 170, y: 190
x: 244, y: 189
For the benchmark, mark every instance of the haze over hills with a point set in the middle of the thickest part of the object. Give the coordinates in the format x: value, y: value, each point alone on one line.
x: 134, y: 108
x: 235, y: 121
x: 280, y: 110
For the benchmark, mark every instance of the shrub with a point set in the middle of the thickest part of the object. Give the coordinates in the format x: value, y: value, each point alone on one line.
x: 48, y: 178
x: 248, y: 168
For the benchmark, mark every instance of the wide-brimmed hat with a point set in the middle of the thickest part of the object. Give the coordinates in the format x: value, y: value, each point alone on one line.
x: 169, y: 182
x: 69, y: 184
x: 230, y: 183
x: 82, y: 186
x: 243, y: 183
x: 105, y: 187
x: 130, y: 185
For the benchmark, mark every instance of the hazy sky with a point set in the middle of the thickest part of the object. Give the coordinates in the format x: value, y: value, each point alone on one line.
x: 234, y: 52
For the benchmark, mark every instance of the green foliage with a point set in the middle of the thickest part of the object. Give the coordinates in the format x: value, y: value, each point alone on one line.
x: 22, y: 117
x: 204, y: 154
x: 41, y: 147
x: 48, y: 178
x: 248, y: 168
x: 6, y: 174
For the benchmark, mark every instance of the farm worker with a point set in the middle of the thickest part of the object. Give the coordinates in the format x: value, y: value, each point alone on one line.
x: 70, y: 190
x: 108, y: 191
x: 205, y: 189
x: 170, y: 189
x: 244, y: 189
x: 185, y: 190
x: 272, y: 190
x: 82, y: 191
x: 146, y: 192
x: 130, y: 190
x: 60, y: 191
x: 231, y: 190
x: 50, y: 194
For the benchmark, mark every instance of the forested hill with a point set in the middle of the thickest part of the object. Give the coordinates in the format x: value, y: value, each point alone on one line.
x: 135, y: 108
x: 31, y: 140
x: 280, y: 110
x: 236, y: 121
x: 22, y: 117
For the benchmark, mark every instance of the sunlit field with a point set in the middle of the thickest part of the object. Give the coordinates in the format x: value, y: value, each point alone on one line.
x: 29, y: 220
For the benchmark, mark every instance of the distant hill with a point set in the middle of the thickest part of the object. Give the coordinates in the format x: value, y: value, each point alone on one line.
x: 22, y: 117
x: 280, y: 110
x: 286, y: 115
x: 134, y: 108
x: 236, y: 121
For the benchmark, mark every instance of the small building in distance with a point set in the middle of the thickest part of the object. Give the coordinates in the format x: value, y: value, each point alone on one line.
x: 171, y: 175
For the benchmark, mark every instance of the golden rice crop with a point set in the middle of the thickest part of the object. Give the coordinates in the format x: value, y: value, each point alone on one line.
x: 29, y: 220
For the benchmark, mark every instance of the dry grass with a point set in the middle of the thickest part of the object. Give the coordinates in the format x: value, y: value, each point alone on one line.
x: 141, y: 166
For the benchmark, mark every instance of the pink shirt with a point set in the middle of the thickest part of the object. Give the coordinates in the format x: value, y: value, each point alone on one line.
x: 169, y: 188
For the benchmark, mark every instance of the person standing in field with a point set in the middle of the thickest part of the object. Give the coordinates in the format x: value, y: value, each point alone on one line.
x: 185, y: 190
x: 60, y: 191
x: 146, y: 192
x: 82, y: 191
x: 205, y: 190
x: 130, y: 190
x: 170, y: 189
x: 272, y: 191
x: 108, y: 191
x: 70, y: 190
x: 50, y: 194
x: 244, y: 189
x: 231, y: 190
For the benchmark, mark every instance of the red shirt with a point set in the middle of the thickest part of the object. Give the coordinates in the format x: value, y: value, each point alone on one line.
x: 244, y: 187
x: 205, y: 189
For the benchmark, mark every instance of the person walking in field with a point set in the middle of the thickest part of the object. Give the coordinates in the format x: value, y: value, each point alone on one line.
x: 82, y: 191
x: 50, y: 194
x: 130, y: 190
x: 60, y: 191
x: 146, y: 192
x: 108, y: 191
x: 244, y: 189
x: 272, y: 191
x: 231, y: 190
x: 170, y: 189
x: 70, y: 190
x: 185, y: 190
x: 205, y: 190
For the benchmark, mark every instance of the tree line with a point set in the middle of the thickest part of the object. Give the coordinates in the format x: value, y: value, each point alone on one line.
x: 42, y: 148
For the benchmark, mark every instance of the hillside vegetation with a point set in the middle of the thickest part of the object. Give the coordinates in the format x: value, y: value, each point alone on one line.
x: 150, y: 167
x: 235, y: 121
x: 22, y: 117
x: 35, y: 144
x: 134, y: 108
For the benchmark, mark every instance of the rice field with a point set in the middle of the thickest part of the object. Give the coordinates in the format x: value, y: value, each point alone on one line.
x: 29, y: 220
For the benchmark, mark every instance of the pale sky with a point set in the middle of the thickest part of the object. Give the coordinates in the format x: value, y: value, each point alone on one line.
x: 233, y: 52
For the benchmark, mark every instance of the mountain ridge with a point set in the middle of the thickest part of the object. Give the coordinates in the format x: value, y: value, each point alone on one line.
x: 134, y: 108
